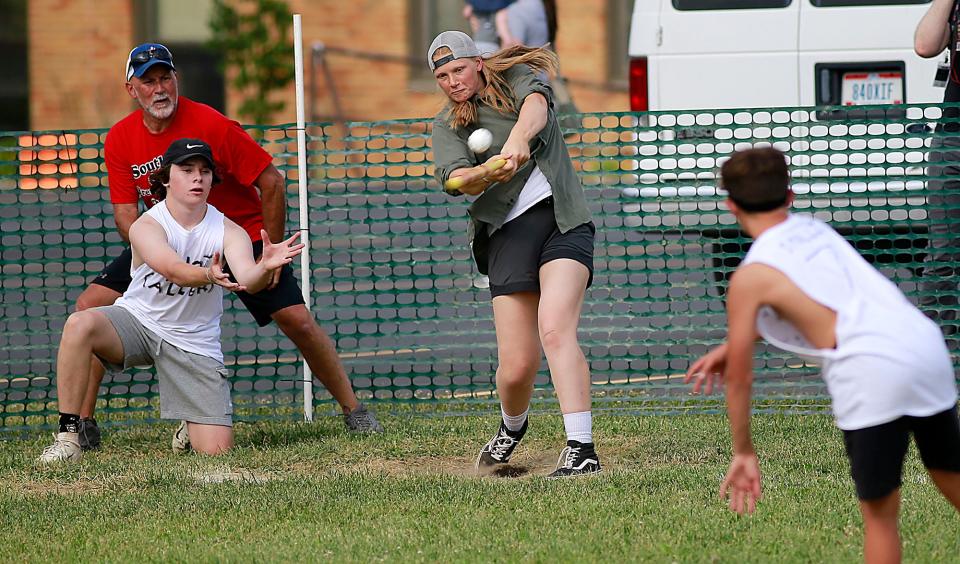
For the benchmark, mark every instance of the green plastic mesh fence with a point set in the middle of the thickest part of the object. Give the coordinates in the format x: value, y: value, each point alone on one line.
x: 394, y: 284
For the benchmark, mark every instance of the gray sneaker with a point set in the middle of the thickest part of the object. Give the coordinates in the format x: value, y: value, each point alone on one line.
x: 181, y: 439
x: 66, y: 448
x: 361, y: 420
x: 89, y: 434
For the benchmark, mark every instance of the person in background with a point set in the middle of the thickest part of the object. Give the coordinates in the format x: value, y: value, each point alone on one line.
x: 481, y: 14
x: 252, y: 194
x: 528, y: 22
x: 939, y: 29
x: 534, y: 23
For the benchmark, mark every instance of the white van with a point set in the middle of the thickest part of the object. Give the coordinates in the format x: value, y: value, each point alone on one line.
x: 714, y: 54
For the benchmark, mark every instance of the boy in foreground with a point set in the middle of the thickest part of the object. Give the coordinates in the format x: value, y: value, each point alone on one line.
x: 806, y: 290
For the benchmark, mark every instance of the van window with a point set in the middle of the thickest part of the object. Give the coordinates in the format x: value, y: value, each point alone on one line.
x: 729, y: 4
x: 832, y: 3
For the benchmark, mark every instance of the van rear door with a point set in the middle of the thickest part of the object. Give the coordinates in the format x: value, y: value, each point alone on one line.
x: 709, y: 55
x: 855, y: 52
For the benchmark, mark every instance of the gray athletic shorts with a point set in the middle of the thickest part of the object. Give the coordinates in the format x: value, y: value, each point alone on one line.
x: 193, y: 387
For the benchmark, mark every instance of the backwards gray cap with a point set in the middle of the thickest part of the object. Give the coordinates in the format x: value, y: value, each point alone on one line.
x: 460, y: 46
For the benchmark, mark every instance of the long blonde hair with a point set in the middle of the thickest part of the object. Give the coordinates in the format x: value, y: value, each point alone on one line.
x: 496, y: 91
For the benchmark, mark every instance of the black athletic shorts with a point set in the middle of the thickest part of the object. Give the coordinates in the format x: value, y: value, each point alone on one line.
x: 116, y: 275
x: 876, y: 453
x: 261, y: 305
x: 524, y: 244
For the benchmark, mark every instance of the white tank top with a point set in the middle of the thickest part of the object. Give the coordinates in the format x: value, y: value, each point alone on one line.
x: 534, y: 191
x: 187, y: 318
x: 876, y: 327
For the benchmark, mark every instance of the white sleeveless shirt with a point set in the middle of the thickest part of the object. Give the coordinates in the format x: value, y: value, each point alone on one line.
x: 890, y: 359
x: 534, y: 191
x: 187, y: 318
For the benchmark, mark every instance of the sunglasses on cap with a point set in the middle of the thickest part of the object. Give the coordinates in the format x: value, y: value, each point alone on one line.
x: 158, y: 52
x: 146, y: 56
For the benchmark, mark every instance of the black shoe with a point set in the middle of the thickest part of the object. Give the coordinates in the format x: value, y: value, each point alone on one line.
x: 499, y: 449
x: 89, y: 434
x: 576, y: 459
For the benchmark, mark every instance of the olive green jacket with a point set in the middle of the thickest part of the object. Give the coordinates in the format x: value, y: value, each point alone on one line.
x: 547, y: 150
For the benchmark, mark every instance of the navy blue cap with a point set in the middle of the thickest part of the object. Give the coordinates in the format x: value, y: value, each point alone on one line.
x: 144, y: 56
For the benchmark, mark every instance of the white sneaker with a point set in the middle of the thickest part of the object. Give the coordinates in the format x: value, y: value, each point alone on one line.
x: 66, y: 448
x: 181, y: 439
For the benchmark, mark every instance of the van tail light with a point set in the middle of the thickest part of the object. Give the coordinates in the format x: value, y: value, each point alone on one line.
x: 639, y: 84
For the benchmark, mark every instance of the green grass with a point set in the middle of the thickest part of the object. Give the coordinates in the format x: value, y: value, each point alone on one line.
x: 294, y: 491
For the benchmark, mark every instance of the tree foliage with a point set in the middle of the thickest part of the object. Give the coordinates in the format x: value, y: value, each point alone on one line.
x: 255, y: 40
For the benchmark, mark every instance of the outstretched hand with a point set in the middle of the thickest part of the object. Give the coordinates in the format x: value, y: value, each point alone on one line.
x: 275, y: 255
x: 707, y: 369
x: 742, y: 483
x: 216, y: 275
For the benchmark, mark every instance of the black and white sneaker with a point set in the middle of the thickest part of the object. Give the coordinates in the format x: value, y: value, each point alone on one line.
x: 499, y: 449
x: 576, y: 459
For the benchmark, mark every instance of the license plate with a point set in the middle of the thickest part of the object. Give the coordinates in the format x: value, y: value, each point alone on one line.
x: 861, y: 88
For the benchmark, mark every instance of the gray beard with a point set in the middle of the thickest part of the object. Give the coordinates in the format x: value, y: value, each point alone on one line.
x: 160, y: 114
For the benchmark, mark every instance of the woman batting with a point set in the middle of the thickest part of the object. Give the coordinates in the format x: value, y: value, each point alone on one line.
x: 530, y: 230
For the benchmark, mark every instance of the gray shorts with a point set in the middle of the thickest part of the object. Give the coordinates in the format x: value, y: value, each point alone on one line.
x: 193, y: 387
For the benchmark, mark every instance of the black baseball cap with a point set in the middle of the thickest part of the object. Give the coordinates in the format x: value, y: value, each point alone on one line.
x: 186, y: 148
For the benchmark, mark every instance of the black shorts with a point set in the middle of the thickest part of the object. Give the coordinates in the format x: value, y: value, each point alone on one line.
x: 266, y: 302
x: 876, y: 453
x: 261, y: 305
x: 524, y: 244
x: 116, y: 275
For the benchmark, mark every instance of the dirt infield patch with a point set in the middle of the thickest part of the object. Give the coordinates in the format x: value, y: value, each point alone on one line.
x: 221, y: 475
x: 523, y: 465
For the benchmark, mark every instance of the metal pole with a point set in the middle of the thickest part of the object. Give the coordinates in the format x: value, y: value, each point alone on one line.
x: 304, y: 216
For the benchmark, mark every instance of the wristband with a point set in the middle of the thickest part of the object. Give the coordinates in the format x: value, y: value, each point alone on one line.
x: 208, y: 272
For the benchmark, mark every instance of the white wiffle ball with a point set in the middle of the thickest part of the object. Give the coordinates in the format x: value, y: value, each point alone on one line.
x: 480, y: 140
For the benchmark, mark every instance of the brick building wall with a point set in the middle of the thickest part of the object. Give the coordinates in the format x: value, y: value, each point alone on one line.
x: 77, y: 49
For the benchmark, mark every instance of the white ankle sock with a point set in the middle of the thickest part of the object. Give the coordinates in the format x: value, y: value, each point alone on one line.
x: 579, y: 426
x: 514, y: 422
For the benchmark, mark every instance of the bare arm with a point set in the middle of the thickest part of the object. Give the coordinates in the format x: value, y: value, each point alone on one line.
x: 478, y: 178
x: 150, y: 245
x: 742, y: 305
x: 516, y: 149
x: 742, y: 481
x: 123, y: 216
x: 530, y: 122
x: 255, y: 275
x: 273, y: 198
x: 933, y: 32
x: 502, y: 23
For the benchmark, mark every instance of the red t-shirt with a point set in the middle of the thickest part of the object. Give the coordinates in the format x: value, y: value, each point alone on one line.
x: 132, y: 153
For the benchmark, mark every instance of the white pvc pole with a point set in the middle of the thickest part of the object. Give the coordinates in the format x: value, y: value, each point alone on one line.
x: 305, y: 269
